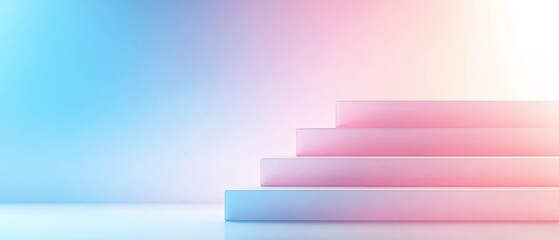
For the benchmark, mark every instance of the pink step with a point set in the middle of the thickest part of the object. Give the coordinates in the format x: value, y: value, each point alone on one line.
x: 443, y: 114
x: 392, y: 204
x: 428, y: 142
x: 410, y: 171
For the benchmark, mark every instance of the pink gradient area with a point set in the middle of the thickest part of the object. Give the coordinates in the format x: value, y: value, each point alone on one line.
x: 393, y: 204
x: 428, y: 142
x: 410, y: 171
x: 452, y: 114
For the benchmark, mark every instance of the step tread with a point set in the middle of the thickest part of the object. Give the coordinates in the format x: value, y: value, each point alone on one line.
x: 362, y: 114
x: 427, y: 142
x: 410, y: 171
x: 392, y: 204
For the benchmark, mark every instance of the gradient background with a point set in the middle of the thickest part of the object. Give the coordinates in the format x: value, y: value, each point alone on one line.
x: 175, y: 101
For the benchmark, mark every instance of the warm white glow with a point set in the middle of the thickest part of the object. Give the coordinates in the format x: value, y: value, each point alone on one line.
x: 530, y: 41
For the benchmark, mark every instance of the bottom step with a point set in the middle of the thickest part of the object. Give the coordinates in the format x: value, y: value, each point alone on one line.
x: 393, y: 204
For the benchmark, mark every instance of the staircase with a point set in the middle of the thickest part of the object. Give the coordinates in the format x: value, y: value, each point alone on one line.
x: 415, y: 161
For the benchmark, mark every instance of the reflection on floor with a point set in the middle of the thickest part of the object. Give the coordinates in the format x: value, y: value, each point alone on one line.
x: 194, y: 221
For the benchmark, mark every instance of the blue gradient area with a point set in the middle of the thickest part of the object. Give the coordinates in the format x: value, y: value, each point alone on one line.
x: 92, y: 97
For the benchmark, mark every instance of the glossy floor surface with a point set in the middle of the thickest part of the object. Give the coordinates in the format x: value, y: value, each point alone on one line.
x: 190, y: 221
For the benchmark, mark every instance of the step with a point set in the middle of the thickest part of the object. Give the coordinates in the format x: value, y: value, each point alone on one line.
x: 392, y: 204
x: 428, y: 142
x: 410, y: 171
x: 453, y: 114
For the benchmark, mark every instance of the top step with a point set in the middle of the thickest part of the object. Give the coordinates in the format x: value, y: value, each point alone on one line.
x: 447, y: 114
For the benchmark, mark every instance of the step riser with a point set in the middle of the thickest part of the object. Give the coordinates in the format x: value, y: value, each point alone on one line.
x: 392, y: 205
x: 428, y: 142
x: 410, y: 171
x: 452, y: 114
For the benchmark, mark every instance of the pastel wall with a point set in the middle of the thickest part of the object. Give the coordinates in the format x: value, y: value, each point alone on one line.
x: 175, y: 101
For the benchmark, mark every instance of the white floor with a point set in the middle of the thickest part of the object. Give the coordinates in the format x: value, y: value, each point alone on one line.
x: 157, y: 222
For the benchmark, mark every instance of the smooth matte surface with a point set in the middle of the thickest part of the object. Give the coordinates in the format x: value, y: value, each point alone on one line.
x: 428, y: 142
x: 410, y: 171
x: 452, y: 114
x: 205, y: 222
x: 392, y: 204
